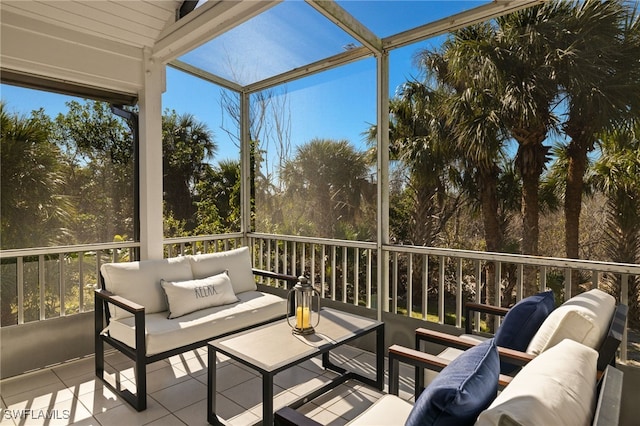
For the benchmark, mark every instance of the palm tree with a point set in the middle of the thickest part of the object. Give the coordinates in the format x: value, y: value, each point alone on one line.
x: 599, y: 72
x: 33, y: 210
x: 187, y: 145
x: 327, y: 183
x: 617, y: 174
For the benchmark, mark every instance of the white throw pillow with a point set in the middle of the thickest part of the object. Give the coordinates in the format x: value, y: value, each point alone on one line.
x: 185, y: 297
x: 558, y: 387
x: 236, y: 261
x: 140, y: 282
x: 584, y: 318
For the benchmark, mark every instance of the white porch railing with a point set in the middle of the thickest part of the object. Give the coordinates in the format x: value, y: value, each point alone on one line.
x: 424, y: 282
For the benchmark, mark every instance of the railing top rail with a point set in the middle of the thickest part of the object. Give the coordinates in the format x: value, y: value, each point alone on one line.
x: 179, y: 240
x: 620, y: 268
x: 315, y: 240
x: 8, y: 254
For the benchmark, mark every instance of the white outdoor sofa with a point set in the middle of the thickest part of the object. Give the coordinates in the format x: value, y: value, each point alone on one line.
x: 153, y: 309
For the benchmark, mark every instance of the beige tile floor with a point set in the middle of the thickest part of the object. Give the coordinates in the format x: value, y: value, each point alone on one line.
x: 71, y: 394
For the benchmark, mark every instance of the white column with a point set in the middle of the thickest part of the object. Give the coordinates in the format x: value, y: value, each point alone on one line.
x: 383, y: 180
x: 150, y: 103
x: 245, y: 167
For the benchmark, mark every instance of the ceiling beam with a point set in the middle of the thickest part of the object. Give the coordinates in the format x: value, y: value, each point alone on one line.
x: 343, y: 58
x: 200, y: 73
x: 457, y: 21
x: 331, y: 10
x: 205, y: 23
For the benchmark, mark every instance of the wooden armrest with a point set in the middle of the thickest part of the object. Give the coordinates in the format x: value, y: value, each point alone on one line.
x: 275, y: 275
x: 450, y: 340
x: 119, y: 301
x: 429, y: 361
x: 509, y: 355
x: 287, y: 416
x: 486, y: 309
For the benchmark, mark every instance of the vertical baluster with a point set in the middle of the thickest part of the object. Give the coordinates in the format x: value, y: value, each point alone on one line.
x: 394, y: 295
x: 476, y: 315
x: 42, y: 284
x: 356, y: 277
x: 82, y: 279
x: 344, y: 274
x: 333, y: 272
x: 61, y: 283
x: 567, y: 284
x: 595, y: 279
x: 543, y: 278
x: 410, y: 286
x: 519, y: 282
x: 425, y: 286
x: 303, y: 259
x: 498, y: 290
x: 459, y: 293
x: 294, y: 258
x: 20, y: 284
x: 313, y: 265
x: 323, y: 271
x: 369, y: 274
x: 441, y: 291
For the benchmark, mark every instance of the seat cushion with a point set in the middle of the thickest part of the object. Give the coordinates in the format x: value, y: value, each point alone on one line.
x: 462, y: 389
x: 163, y: 334
x: 237, y: 262
x: 584, y: 318
x: 185, y: 297
x: 522, y: 322
x: 390, y: 410
x: 558, y: 387
x: 140, y: 282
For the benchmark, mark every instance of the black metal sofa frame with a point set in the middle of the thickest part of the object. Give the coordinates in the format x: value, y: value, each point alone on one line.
x: 138, y: 354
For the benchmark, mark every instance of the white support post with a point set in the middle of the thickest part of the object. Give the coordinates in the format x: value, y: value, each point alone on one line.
x: 150, y: 103
x: 382, y: 72
x: 245, y: 167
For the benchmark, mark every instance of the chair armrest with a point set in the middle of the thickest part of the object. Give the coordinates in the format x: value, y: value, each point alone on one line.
x: 289, y: 279
x: 287, y: 416
x: 609, y: 398
x: 509, y: 355
x: 470, y: 307
x: 424, y: 360
x: 119, y: 301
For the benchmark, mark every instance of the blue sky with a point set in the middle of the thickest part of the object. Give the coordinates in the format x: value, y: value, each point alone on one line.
x: 336, y: 104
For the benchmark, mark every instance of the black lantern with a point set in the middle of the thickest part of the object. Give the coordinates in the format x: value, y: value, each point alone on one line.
x: 305, y: 318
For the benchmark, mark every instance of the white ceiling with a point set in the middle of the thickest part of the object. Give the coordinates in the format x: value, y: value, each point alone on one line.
x: 136, y: 23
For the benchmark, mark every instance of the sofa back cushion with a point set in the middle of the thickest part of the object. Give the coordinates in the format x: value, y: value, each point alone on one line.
x: 584, y: 318
x: 237, y: 262
x: 462, y: 389
x: 189, y: 296
x: 140, y: 282
x: 522, y: 322
x: 558, y: 387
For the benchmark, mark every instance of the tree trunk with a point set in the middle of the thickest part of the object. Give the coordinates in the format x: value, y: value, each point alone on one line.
x: 530, y: 161
x: 577, y: 156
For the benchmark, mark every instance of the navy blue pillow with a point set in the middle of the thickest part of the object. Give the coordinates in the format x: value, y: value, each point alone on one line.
x: 522, y: 322
x: 461, y: 391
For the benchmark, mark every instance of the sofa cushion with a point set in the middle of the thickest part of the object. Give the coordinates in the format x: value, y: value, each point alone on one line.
x: 386, y: 411
x: 140, y: 282
x: 184, y: 297
x: 462, y: 389
x: 236, y: 261
x: 522, y: 322
x: 584, y: 318
x: 558, y: 387
x: 163, y: 334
